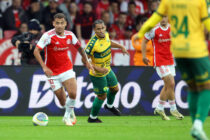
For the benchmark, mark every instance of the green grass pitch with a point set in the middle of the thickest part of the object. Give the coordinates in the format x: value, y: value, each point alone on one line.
x: 112, y: 128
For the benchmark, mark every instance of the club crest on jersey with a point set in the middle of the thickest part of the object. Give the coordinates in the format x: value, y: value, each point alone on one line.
x: 68, y: 41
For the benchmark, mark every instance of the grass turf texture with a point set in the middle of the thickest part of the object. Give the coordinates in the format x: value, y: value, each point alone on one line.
x: 112, y: 128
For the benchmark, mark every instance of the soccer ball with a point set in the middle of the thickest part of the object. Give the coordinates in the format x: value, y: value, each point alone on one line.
x: 40, y: 119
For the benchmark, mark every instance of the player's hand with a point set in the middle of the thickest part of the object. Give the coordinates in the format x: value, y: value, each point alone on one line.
x: 124, y: 51
x: 90, y: 67
x: 47, y: 71
x: 104, y: 70
x: 146, y: 60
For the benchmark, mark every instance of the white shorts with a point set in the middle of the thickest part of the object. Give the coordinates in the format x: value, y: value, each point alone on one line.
x: 56, y: 81
x: 163, y: 71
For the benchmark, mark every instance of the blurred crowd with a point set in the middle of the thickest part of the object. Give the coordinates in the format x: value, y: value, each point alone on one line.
x: 122, y: 17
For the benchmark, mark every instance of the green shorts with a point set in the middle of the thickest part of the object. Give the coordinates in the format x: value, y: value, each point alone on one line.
x: 194, y: 69
x: 101, y: 84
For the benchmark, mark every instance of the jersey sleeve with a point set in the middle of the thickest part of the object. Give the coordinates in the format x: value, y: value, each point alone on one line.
x: 74, y: 39
x: 44, y: 41
x: 204, y: 9
x: 89, y: 48
x: 149, y: 35
x: 76, y: 43
x: 163, y: 8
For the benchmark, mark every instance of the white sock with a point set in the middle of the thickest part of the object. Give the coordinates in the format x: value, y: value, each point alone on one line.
x: 93, y: 117
x: 160, y: 105
x: 198, y: 124
x: 109, y: 106
x: 70, y: 103
x: 172, y: 105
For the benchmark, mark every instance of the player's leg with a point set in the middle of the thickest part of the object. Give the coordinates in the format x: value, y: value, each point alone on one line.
x: 100, y: 89
x: 59, y: 91
x: 71, y: 88
x: 159, y: 110
x: 61, y: 95
x: 185, y: 66
x: 69, y: 82
x: 169, y: 84
x: 113, y: 89
x: 57, y: 88
x: 202, y: 76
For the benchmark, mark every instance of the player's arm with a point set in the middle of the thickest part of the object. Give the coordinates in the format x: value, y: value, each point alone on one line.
x: 143, y: 46
x: 207, y: 24
x: 100, y: 69
x: 148, y: 36
x: 43, y: 42
x: 205, y: 16
x: 85, y: 59
x: 96, y: 68
x: 116, y: 45
x: 153, y: 20
x: 38, y: 57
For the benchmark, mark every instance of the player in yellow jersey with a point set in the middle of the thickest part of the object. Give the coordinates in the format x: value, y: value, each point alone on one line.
x: 104, y: 81
x: 187, y: 18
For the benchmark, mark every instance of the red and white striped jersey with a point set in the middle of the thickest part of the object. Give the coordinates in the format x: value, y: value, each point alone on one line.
x: 56, y: 50
x: 161, y: 42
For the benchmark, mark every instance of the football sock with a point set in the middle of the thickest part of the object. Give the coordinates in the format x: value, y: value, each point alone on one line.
x: 110, y: 98
x: 70, y: 103
x: 198, y: 124
x: 172, y: 104
x: 161, y: 104
x: 96, y: 108
x: 192, y: 99
x: 203, y: 105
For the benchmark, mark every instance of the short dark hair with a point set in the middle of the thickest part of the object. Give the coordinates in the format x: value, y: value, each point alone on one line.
x: 132, y: 3
x: 60, y: 16
x: 98, y: 21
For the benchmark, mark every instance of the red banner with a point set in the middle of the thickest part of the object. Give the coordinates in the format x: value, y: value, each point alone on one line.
x: 9, y: 54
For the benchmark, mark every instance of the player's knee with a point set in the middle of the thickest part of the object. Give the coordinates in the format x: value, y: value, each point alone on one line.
x: 192, y: 86
x: 169, y: 83
x: 204, y: 86
x: 114, y: 90
x: 62, y: 103
x: 72, y: 95
x: 101, y: 97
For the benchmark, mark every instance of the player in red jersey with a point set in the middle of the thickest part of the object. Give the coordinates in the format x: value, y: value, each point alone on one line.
x: 164, y: 64
x: 58, y: 67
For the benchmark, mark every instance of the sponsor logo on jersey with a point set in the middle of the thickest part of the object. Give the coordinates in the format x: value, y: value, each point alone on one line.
x: 164, y: 40
x: 60, y: 49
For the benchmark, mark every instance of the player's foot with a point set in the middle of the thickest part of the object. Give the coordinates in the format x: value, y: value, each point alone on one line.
x: 161, y: 113
x: 176, y: 114
x: 67, y: 121
x: 198, y: 134
x: 73, y: 118
x: 114, y: 110
x: 97, y: 120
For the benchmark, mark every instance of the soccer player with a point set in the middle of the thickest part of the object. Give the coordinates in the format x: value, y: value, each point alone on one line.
x: 190, y: 50
x: 164, y: 64
x: 104, y: 81
x: 58, y: 67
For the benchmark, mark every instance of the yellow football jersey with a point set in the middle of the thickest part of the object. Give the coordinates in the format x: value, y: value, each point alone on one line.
x: 99, y: 50
x: 187, y: 30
